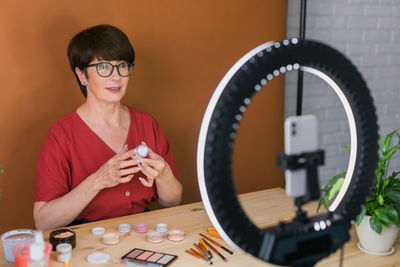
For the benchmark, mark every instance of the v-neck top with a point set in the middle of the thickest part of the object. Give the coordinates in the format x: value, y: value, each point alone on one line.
x: 71, y: 152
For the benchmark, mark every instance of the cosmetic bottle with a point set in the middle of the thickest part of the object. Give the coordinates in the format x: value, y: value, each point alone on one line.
x: 36, y: 252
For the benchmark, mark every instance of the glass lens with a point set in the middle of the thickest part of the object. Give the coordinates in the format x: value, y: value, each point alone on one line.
x: 125, y: 69
x: 104, y: 69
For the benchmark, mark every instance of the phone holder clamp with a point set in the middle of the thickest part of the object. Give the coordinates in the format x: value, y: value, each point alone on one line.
x: 309, y: 161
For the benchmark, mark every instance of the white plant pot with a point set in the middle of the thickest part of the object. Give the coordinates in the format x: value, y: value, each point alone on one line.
x: 373, y: 243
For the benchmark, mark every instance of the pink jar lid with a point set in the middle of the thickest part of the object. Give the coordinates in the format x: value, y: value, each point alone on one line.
x: 141, y: 228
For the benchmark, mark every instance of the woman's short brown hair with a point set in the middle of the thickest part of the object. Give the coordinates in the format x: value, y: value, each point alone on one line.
x: 104, y: 42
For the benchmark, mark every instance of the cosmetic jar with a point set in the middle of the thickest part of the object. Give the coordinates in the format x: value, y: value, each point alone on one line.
x: 98, y: 230
x: 64, y: 252
x: 110, y: 238
x: 176, y: 235
x: 12, y: 238
x: 62, y: 236
x: 98, y: 257
x: 142, y: 150
x: 141, y: 228
x: 162, y: 227
x: 124, y: 228
x: 154, y: 237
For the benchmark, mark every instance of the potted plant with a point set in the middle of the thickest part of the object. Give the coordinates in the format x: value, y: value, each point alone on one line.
x: 378, y: 223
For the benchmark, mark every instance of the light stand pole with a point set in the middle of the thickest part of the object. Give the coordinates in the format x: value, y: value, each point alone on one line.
x: 300, y: 74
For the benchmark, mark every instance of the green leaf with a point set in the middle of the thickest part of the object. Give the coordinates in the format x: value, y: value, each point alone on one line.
x: 345, y: 147
x: 391, y: 212
x: 394, y: 195
x: 332, y: 181
x: 386, y: 182
x: 335, y: 188
x: 380, y: 213
x: 391, y: 152
x: 361, y: 215
x: 380, y: 200
x: 381, y: 140
x: 386, y: 143
x: 375, y: 224
x: 397, y: 223
x: 323, y: 201
x: 394, y: 174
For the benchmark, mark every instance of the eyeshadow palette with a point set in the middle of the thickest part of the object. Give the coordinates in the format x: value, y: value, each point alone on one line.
x: 144, y: 257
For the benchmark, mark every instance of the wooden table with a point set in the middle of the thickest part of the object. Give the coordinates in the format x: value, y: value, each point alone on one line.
x: 265, y: 208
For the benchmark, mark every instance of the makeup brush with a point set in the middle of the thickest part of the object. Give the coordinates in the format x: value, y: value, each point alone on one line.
x: 194, y: 254
x: 206, y: 247
x: 216, y: 243
x: 215, y: 250
x: 201, y: 255
x: 207, y: 252
x: 202, y: 250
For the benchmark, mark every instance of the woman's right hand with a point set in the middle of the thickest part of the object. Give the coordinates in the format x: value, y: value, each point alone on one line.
x: 118, y: 169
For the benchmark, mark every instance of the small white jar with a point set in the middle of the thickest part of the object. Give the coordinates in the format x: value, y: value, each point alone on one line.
x: 124, y: 228
x: 64, y: 252
x: 162, y: 227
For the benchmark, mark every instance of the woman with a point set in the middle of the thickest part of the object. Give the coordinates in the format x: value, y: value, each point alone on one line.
x: 87, y: 168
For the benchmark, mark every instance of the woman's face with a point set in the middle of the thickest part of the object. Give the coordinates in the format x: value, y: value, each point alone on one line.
x: 104, y: 89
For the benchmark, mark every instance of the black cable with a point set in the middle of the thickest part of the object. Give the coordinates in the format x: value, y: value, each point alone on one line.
x: 300, y: 74
x: 341, y: 256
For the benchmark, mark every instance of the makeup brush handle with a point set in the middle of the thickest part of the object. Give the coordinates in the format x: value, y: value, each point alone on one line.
x: 227, y: 250
x: 222, y: 257
x: 191, y: 253
x: 199, y: 254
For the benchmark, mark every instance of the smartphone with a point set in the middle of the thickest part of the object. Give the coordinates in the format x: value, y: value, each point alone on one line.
x: 300, y: 136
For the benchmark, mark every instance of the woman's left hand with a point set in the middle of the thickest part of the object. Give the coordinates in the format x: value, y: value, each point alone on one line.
x: 154, y: 167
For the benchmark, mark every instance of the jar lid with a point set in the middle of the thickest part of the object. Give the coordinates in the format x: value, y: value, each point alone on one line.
x: 64, y: 247
x: 124, y: 228
x: 98, y: 257
x: 142, y: 150
x: 98, y: 230
x: 176, y: 235
x: 155, y: 237
x: 162, y: 227
x: 110, y: 238
x: 141, y: 228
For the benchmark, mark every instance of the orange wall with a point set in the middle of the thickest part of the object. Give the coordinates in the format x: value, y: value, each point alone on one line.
x: 183, y: 50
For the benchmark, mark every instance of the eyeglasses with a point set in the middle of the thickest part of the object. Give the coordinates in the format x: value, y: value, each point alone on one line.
x: 105, y: 69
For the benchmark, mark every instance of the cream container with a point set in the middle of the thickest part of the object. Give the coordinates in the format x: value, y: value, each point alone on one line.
x: 124, y: 228
x: 162, y: 227
x: 110, y: 238
x: 64, y: 252
x: 154, y: 237
x: 141, y: 228
x: 14, y: 237
x: 176, y: 235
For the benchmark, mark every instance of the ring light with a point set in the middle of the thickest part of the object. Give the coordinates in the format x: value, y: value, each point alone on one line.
x: 296, y: 243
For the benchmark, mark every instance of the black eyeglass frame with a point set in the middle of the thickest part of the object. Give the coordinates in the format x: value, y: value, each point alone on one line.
x: 131, y: 65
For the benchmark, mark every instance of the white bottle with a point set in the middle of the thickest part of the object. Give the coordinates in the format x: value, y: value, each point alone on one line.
x: 36, y: 252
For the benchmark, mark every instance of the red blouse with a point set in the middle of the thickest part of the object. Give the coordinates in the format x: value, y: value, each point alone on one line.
x: 72, y: 151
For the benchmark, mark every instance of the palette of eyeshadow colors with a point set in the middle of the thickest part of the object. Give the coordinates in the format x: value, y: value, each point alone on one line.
x: 143, y: 257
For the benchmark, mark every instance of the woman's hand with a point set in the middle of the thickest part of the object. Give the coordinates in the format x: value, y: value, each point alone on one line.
x: 118, y: 169
x: 154, y: 167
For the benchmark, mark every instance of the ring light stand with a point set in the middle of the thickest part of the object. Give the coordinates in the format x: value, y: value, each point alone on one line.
x: 304, y: 241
